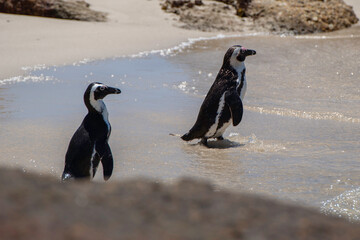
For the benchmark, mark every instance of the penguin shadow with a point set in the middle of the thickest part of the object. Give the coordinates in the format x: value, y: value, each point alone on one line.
x: 215, y: 144
x: 221, y: 144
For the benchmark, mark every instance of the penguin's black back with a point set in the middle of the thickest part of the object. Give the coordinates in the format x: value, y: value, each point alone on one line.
x: 224, y: 99
x: 225, y: 80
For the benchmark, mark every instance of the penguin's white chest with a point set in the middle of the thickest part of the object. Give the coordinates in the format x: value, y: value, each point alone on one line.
x: 100, y: 106
x: 221, y: 130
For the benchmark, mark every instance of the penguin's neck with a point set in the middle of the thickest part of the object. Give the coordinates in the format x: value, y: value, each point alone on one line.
x: 241, y: 84
x: 99, y: 107
x: 238, y: 66
x: 96, y: 106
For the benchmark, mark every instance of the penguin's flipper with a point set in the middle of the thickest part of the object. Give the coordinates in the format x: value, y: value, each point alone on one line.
x: 104, y: 151
x: 234, y: 102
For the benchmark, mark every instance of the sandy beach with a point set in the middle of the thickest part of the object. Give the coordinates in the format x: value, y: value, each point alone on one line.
x: 298, y: 140
x: 132, y: 26
x: 30, y: 41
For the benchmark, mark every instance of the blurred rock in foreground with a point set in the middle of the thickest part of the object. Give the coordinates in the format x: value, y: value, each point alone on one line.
x: 66, y: 9
x: 280, y: 16
x: 34, y: 207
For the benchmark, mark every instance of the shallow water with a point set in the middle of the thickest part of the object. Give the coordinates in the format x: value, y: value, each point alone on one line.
x: 298, y: 140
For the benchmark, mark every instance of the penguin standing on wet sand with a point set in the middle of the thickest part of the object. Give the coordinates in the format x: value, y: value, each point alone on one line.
x: 89, y: 144
x: 223, y: 103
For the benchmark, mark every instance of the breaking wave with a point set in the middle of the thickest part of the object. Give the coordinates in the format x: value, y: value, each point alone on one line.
x: 305, y: 115
x: 327, y: 37
x: 31, y: 78
x: 346, y: 205
x: 179, y: 48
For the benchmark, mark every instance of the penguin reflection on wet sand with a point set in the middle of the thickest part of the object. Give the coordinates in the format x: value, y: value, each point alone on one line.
x: 89, y: 144
x: 223, y: 103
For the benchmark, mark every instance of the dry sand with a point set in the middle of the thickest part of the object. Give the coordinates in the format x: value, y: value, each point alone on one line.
x: 133, y: 26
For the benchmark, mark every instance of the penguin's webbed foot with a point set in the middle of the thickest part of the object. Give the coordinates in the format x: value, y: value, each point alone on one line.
x: 204, y: 142
x: 66, y: 176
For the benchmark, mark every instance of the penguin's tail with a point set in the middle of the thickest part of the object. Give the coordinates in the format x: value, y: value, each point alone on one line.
x: 174, y: 134
x: 187, y: 137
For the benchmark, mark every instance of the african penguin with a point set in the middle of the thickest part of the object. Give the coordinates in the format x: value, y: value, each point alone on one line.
x: 89, y: 144
x: 223, y: 102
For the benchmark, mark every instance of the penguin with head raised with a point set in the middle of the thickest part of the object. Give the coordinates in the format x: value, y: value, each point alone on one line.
x: 223, y: 103
x: 89, y: 144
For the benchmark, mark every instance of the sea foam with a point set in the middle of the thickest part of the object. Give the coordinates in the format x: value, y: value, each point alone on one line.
x: 191, y: 41
x: 346, y: 205
x: 31, y: 78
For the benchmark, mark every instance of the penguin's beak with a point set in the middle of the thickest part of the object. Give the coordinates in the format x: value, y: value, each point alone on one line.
x: 249, y: 52
x: 111, y: 90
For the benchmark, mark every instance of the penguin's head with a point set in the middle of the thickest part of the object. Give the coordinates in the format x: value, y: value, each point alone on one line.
x: 100, y: 90
x: 236, y: 54
x: 95, y: 92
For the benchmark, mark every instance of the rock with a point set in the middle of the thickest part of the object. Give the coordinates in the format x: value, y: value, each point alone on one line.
x: 66, y: 9
x: 212, y: 16
x: 44, y: 208
x: 300, y: 17
x: 240, y: 6
x: 280, y: 16
x: 170, y: 4
x: 198, y: 2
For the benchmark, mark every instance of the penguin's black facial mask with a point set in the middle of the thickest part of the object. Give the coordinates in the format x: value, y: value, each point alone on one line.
x: 103, y: 90
x: 243, y: 53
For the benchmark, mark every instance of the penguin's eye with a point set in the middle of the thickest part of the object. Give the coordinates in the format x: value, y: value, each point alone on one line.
x: 102, y: 88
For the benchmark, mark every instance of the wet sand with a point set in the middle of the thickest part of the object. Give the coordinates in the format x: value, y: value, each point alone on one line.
x: 298, y: 139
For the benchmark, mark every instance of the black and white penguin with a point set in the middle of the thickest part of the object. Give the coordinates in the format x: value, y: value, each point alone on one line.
x: 223, y: 102
x: 89, y: 144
